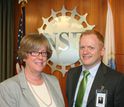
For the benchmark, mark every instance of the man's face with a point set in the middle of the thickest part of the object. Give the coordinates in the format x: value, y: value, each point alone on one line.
x: 91, y: 50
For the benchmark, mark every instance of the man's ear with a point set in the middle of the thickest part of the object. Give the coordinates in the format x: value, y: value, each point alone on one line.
x: 103, y: 51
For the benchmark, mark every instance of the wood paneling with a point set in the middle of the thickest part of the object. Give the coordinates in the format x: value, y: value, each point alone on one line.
x: 36, y: 9
x: 118, y: 10
x: 118, y: 14
x: 120, y: 62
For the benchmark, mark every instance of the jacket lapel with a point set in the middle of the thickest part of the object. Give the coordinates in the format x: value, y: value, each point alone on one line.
x: 75, y: 78
x: 52, y: 91
x: 26, y: 91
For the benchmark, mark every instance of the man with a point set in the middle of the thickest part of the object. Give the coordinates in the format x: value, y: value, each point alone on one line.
x: 102, y: 81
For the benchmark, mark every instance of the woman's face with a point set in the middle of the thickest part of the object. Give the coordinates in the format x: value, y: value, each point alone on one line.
x: 36, y: 60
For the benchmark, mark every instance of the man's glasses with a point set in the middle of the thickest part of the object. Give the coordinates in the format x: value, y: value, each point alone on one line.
x: 35, y: 53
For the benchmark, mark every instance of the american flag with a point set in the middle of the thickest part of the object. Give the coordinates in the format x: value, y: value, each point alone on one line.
x: 21, y: 31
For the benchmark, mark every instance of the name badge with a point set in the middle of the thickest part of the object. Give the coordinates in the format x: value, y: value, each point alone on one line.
x: 101, y: 97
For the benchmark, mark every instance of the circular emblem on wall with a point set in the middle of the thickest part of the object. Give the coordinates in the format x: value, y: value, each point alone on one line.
x: 63, y: 29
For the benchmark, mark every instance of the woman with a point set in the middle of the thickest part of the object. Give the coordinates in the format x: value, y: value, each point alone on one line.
x: 31, y: 87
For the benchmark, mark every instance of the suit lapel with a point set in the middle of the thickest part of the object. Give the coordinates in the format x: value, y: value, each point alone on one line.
x: 98, y: 82
x: 52, y: 91
x: 26, y: 91
x: 75, y: 78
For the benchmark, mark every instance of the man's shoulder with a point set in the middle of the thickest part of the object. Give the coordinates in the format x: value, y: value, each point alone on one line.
x: 113, y: 73
x: 75, y: 70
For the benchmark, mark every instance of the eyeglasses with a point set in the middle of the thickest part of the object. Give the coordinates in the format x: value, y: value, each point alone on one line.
x: 35, y: 54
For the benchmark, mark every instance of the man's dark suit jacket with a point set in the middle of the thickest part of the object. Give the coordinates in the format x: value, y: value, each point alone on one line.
x: 112, y: 81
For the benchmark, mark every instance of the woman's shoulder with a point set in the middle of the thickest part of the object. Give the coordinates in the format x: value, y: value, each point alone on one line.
x: 48, y: 76
x: 10, y: 82
x: 9, y: 86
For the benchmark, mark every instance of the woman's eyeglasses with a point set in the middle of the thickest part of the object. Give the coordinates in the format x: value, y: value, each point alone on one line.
x: 35, y: 53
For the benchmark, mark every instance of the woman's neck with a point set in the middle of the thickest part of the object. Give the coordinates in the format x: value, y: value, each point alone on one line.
x: 33, y: 78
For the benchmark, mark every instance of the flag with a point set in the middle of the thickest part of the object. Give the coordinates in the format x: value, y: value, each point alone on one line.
x: 109, y: 57
x: 21, y: 33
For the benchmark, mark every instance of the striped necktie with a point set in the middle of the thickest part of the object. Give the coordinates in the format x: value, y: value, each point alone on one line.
x: 81, y: 90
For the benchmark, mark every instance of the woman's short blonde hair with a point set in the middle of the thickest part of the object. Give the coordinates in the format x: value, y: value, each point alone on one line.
x: 33, y: 42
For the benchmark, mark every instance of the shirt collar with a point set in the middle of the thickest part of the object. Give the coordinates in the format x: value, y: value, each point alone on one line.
x: 93, y: 70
